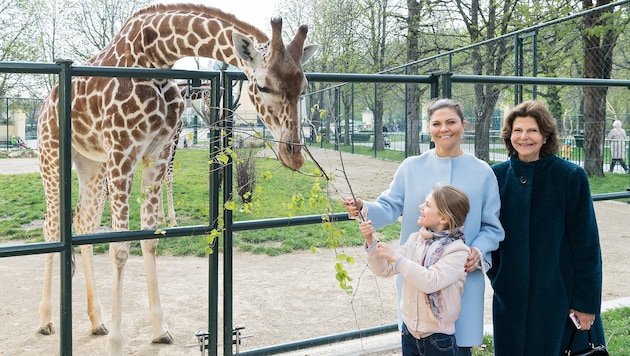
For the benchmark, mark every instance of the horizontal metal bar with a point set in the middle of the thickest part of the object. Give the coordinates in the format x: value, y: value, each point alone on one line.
x: 285, y: 222
x: 349, y: 77
x: 100, y: 71
x: 29, y: 67
x: 30, y: 249
x: 611, y: 196
x: 369, y: 78
x: 474, y: 79
x: 324, y: 340
x: 136, y: 235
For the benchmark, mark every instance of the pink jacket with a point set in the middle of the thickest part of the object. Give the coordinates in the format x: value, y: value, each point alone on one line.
x: 446, y: 275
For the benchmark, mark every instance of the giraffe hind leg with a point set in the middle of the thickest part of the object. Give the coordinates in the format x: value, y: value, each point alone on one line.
x: 45, y: 307
x: 153, y: 173
x: 87, y: 218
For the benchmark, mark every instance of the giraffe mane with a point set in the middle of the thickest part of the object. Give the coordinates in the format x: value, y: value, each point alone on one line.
x: 241, y: 26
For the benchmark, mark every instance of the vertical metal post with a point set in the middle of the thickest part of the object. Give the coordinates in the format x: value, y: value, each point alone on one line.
x: 227, y: 215
x: 337, y: 110
x: 434, y: 86
x: 65, y: 192
x: 214, y: 184
x: 352, y: 111
x: 7, y: 109
x: 535, y: 62
x: 517, y: 72
x: 407, y: 117
x: 435, y: 93
x: 447, y: 85
x: 374, y: 120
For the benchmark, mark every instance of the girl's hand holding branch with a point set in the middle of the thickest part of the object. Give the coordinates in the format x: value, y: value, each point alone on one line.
x: 367, y: 230
x: 383, y: 250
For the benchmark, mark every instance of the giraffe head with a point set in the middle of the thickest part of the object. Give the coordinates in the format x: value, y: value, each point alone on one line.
x: 276, y: 82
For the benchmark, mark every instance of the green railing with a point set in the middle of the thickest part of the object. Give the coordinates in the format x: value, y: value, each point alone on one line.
x: 65, y: 71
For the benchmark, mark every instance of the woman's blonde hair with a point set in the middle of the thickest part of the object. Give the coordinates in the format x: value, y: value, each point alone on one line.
x: 452, y: 203
x: 441, y: 103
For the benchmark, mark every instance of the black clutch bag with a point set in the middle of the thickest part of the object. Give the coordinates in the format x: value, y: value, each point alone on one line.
x: 599, y: 350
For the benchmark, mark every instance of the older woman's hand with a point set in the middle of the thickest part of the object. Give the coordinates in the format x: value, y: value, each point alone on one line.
x: 586, y: 320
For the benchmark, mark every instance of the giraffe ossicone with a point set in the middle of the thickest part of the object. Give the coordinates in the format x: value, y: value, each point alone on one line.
x: 119, y: 123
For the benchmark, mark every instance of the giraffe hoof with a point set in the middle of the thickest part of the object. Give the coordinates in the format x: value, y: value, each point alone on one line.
x: 47, y: 329
x: 166, y: 338
x: 100, y: 330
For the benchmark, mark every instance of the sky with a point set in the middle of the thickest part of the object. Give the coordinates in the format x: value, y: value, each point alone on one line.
x: 256, y: 12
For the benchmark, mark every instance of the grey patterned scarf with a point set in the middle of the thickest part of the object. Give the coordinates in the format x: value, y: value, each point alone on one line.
x: 441, y: 238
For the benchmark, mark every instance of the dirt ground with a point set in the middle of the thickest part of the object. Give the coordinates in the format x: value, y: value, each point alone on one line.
x: 278, y: 299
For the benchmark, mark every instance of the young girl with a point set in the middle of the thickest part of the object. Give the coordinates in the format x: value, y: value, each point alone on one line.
x: 432, y: 264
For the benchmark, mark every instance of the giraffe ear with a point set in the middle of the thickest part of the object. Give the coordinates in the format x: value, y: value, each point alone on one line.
x: 245, y: 49
x: 309, y: 51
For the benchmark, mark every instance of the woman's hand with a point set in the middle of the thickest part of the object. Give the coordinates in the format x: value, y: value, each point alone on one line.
x: 352, y: 207
x: 586, y: 320
x: 473, y: 261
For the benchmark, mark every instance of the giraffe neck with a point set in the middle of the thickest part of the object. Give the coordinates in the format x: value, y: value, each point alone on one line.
x: 162, y: 34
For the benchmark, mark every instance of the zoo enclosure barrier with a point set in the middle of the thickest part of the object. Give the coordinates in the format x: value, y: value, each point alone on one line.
x: 65, y: 70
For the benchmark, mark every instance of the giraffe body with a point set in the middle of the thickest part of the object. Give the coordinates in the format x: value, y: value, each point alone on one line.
x: 118, y: 123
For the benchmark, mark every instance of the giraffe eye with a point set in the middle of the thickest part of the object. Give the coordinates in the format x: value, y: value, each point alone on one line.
x: 263, y: 89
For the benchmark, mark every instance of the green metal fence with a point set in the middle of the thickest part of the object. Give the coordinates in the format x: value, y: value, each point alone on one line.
x: 434, y: 85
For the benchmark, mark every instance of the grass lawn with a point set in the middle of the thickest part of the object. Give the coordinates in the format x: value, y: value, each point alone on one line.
x: 280, y: 193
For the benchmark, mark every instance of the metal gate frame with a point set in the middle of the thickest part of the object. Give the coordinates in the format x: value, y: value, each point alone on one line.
x: 65, y: 70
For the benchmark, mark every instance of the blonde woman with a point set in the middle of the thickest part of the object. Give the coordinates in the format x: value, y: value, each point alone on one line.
x: 447, y: 163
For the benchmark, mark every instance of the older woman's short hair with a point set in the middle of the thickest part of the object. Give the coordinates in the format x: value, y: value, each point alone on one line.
x: 546, y: 124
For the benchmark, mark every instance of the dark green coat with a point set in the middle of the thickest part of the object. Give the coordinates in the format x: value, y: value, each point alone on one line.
x: 550, y: 260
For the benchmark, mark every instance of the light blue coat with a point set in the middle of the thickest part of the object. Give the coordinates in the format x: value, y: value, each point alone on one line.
x: 413, y: 180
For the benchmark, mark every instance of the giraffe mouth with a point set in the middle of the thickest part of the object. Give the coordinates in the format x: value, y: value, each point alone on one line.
x: 291, y: 154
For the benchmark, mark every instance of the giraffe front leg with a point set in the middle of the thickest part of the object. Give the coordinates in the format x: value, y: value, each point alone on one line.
x: 119, y: 253
x: 156, y: 313
x: 45, y: 306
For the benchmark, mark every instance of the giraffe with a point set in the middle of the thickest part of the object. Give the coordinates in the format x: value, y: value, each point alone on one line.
x: 119, y: 122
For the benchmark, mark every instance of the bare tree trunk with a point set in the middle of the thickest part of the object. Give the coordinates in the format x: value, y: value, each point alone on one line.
x: 347, y: 115
x: 598, y: 47
x: 594, y: 126
x: 413, y: 94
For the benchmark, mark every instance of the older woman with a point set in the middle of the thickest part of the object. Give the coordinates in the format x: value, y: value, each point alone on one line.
x: 549, y: 264
x: 447, y: 163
